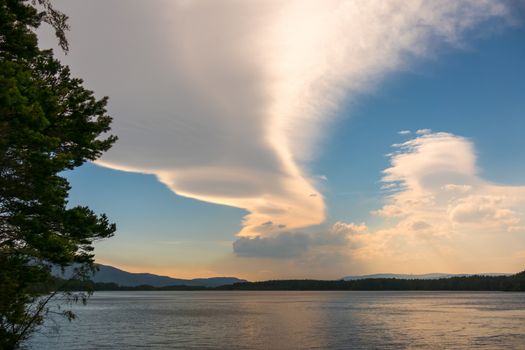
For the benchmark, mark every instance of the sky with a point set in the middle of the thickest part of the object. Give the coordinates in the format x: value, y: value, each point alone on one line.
x: 305, y: 139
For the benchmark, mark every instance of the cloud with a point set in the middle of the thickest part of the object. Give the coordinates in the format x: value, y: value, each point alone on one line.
x: 443, y: 212
x: 226, y: 101
x: 423, y: 131
x: 282, y: 245
x: 437, y: 179
x: 299, y: 244
x: 404, y: 132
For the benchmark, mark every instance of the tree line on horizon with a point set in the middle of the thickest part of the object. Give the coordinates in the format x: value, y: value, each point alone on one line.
x: 512, y: 283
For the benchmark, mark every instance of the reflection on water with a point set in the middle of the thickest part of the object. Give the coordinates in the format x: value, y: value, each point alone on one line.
x: 293, y: 320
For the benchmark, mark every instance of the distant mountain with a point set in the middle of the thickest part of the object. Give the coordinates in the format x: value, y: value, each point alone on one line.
x: 110, y: 274
x: 428, y: 276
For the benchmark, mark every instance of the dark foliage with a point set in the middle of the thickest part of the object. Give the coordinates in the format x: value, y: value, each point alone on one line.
x: 83, y: 285
x: 470, y: 283
x: 49, y: 123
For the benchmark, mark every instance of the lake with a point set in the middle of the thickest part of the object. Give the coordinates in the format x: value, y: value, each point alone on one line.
x: 291, y: 320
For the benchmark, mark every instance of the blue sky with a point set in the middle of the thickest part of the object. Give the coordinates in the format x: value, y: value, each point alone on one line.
x: 467, y: 88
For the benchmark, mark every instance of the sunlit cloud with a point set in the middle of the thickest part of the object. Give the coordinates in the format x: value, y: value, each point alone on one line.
x: 227, y: 101
x: 437, y: 183
x: 443, y: 211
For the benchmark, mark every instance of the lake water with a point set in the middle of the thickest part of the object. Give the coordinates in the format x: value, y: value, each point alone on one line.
x: 292, y: 320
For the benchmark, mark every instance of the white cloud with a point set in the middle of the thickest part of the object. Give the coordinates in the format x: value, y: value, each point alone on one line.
x: 444, y: 213
x: 438, y: 179
x: 423, y: 131
x: 389, y: 186
x: 225, y: 101
x: 404, y: 132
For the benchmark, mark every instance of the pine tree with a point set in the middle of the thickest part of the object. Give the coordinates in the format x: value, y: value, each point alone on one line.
x: 49, y: 123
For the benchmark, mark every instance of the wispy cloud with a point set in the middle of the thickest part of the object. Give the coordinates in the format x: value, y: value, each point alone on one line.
x: 423, y: 131
x: 226, y: 101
